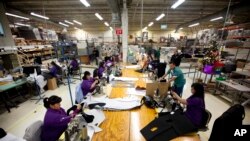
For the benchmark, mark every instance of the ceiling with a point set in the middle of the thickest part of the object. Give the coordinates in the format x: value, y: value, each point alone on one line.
x: 60, y: 10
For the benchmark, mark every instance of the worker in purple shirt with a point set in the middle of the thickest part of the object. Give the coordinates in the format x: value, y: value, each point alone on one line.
x: 54, y: 69
x: 56, y: 120
x: 101, y: 69
x: 73, y: 65
x: 195, y: 104
x: 88, y: 83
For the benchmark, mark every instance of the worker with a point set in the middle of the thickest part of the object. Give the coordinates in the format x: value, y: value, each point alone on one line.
x: 195, y: 104
x: 37, y: 60
x: 177, y: 76
x: 95, y: 55
x: 101, y: 69
x: 74, y: 65
x: 88, y: 83
x: 176, y: 57
x: 54, y: 70
x: 56, y: 119
x: 157, y: 53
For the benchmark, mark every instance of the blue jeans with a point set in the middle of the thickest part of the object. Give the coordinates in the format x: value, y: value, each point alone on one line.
x: 178, y: 90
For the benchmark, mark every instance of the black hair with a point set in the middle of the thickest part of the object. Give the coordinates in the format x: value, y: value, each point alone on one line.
x: 199, y: 90
x: 86, y: 73
x: 172, y: 62
x: 101, y: 64
x: 51, y: 101
x: 2, y: 133
x: 54, y: 64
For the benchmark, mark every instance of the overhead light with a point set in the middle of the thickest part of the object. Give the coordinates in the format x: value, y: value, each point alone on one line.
x: 192, y: 25
x: 150, y: 24
x: 63, y: 24
x: 106, y: 24
x: 84, y: 2
x: 69, y: 22
x: 20, y: 24
x: 76, y: 28
x: 176, y: 4
x: 40, y: 16
x: 215, y: 19
x: 75, y: 21
x: 181, y: 28
x: 145, y: 28
x: 160, y: 17
x: 13, y: 15
x: 111, y: 28
x: 98, y: 16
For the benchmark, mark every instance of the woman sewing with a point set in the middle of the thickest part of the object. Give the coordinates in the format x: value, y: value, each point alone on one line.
x: 74, y: 65
x: 56, y: 119
x: 195, y: 104
x: 101, y: 69
x: 88, y: 83
x: 54, y: 69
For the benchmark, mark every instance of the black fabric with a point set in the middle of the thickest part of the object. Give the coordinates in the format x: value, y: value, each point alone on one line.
x: 2, y: 133
x: 168, y: 127
x: 149, y: 102
x: 92, y: 106
x: 88, y: 118
x: 225, y: 125
x: 31, y: 69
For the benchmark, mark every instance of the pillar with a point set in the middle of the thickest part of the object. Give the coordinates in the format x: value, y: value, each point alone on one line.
x: 124, y: 31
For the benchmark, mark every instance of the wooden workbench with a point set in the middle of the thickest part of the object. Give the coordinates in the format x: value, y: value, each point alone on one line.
x: 126, y: 125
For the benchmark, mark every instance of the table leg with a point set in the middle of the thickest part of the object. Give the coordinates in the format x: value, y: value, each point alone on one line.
x: 189, y: 70
x: 205, y: 81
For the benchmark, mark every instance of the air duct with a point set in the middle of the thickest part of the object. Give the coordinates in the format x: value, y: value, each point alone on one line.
x: 116, y: 14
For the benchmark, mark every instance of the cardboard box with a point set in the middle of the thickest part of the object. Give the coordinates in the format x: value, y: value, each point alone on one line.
x: 1, y: 74
x: 162, y: 86
x: 52, y: 84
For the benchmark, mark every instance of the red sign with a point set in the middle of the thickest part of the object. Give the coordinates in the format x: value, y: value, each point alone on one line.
x: 118, y: 31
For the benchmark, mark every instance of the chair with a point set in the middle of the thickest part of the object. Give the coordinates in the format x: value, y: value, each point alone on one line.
x: 33, y: 132
x: 206, y: 117
x: 76, y: 72
x: 59, y: 77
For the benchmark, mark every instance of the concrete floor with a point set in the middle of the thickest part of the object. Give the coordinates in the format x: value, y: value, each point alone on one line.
x: 28, y: 112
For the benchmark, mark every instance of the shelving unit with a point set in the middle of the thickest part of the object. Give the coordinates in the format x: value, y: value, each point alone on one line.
x: 27, y: 53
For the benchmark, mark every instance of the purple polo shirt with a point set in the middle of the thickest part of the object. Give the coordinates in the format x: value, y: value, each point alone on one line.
x: 100, y: 71
x: 74, y: 64
x: 55, y: 123
x: 195, y: 107
x: 86, y: 85
x: 53, y: 71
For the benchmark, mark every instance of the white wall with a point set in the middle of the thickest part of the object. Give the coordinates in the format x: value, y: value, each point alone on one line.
x: 106, y: 36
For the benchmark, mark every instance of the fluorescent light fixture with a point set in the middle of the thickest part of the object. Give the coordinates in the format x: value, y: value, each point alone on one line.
x: 13, y: 15
x: 111, y: 28
x: 98, y: 16
x: 106, y: 24
x: 192, y: 25
x: 176, y: 4
x: 150, y: 24
x: 63, y: 24
x: 75, y: 21
x: 76, y: 28
x: 20, y: 24
x: 145, y: 28
x: 164, y: 26
x: 215, y: 19
x: 181, y: 28
x: 85, y: 3
x: 68, y: 22
x: 40, y: 16
x: 160, y: 17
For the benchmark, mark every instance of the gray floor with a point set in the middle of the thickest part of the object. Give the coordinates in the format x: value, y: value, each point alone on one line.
x: 28, y: 112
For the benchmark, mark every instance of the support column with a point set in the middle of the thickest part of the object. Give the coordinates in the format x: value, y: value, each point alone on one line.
x: 124, y: 31
x: 7, y: 39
